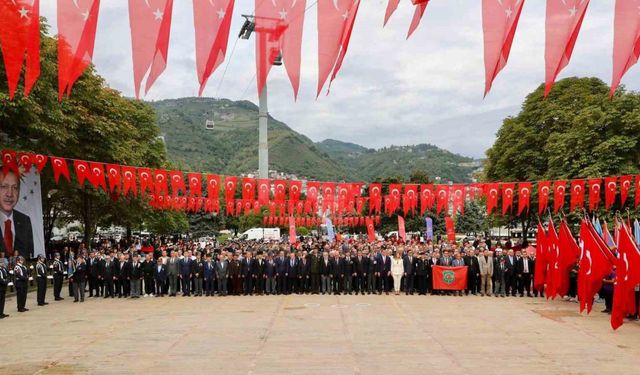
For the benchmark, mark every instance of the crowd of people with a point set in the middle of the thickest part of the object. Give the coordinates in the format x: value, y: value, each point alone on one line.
x: 312, y: 266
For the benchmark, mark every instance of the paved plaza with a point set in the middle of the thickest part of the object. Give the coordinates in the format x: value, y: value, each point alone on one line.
x: 307, y: 335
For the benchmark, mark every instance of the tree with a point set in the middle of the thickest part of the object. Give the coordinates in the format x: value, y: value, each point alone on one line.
x: 577, y: 132
x: 96, y: 123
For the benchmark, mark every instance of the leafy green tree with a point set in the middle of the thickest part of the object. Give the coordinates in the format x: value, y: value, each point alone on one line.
x: 577, y: 132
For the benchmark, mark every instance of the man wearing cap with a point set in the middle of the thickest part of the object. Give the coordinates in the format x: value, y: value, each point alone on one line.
x: 15, y: 226
x: 41, y: 280
x: 58, y: 276
x: 21, y: 278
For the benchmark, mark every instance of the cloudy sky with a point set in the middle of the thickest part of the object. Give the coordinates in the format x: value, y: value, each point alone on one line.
x: 390, y: 91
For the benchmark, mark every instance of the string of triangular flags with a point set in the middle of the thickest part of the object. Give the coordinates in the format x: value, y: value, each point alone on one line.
x: 279, y: 27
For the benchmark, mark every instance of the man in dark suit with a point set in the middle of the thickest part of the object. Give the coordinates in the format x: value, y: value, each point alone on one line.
x: 409, y: 272
x: 432, y: 261
x: 79, y: 279
x: 124, y: 279
x: 185, y: 274
x: 234, y: 268
x: 222, y: 274
x: 160, y: 277
x: 336, y: 273
x: 510, y: 273
x: 282, y: 271
x: 384, y: 272
x: 92, y: 274
x: 360, y: 267
x: 15, y: 226
x: 58, y: 276
x: 259, y: 278
x: 173, y: 269
x: 198, y: 274
x: 209, y: 276
x: 348, y: 272
x: 135, y: 277
x: 270, y: 275
x: 108, y: 275
x: 325, y: 273
x: 420, y: 266
x: 473, y: 267
x: 4, y: 281
x: 303, y: 274
x: 248, y: 273
x: 292, y: 274
x: 524, y: 270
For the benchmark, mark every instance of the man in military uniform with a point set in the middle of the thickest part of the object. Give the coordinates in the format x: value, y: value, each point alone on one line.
x: 4, y: 281
x: 41, y: 280
x: 21, y: 277
x: 58, y: 276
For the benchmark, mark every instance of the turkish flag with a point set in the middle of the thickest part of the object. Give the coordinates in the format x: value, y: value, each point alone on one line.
x: 213, y: 187
x: 442, y: 196
x: 360, y: 201
x: 114, y: 175
x: 160, y: 182
x: 129, y: 180
x: 625, y: 40
x: 230, y: 183
x: 295, y: 187
x: 195, y: 184
x: 328, y: 192
x: 40, y: 161
x: 146, y: 180
x: 451, y: 229
x: 475, y: 190
x: 449, y: 278
x: 20, y: 40
x: 421, y: 7
x: 292, y: 230
x: 625, y: 186
x: 283, y: 23
x: 499, y: 24
x: 25, y: 159
x: 264, y: 191
x: 567, y: 254
x: 371, y: 231
x: 150, y: 23
x: 411, y: 196
x: 401, y: 231
x: 392, y: 5
x: 524, y: 196
x: 458, y: 198
x: 248, y: 189
x: 212, y: 22
x: 507, y: 197
x: 280, y: 192
x: 395, y: 193
x: 563, y: 22
x: 544, y: 188
x: 427, y: 198
x: 627, y: 277
x: 312, y: 192
x: 96, y: 176
x: 491, y: 191
x: 177, y: 182
x: 559, y: 189
x: 577, y: 194
x: 344, y: 193
x: 10, y: 162
x: 375, y: 198
x: 610, y: 190
x: 77, y: 23
x: 594, y: 265
x: 595, y: 186
x: 540, y: 275
x: 82, y: 171
x: 551, y: 259
x: 335, y: 24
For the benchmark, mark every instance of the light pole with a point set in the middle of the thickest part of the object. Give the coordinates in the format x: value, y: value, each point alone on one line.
x: 247, y: 29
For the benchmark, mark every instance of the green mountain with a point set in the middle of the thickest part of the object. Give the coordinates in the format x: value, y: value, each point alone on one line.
x: 231, y: 147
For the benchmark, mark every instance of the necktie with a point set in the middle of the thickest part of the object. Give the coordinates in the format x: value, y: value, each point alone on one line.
x: 8, y: 237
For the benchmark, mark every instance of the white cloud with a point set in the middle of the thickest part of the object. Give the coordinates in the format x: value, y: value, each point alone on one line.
x: 424, y: 90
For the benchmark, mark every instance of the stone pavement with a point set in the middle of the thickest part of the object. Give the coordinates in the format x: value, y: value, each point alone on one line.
x: 308, y: 335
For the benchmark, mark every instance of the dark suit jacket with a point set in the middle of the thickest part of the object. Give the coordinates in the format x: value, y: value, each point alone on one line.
x: 409, y: 266
x: 336, y: 267
x: 185, y: 267
x: 292, y: 270
x: 247, y: 267
x: 270, y: 268
x: 384, y: 267
x: 519, y: 268
x: 304, y: 268
x: 259, y: 269
x: 107, y: 273
x: 23, y: 236
x: 123, y: 271
x: 325, y: 269
x: 209, y: 270
x: 160, y: 276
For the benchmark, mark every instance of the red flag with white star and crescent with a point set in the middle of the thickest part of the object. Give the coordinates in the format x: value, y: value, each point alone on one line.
x: 625, y: 40
x: 150, y: 22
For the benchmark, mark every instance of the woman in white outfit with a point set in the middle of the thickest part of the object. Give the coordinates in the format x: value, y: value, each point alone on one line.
x: 397, y: 270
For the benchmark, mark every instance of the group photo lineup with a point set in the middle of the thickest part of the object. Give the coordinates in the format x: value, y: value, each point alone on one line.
x: 320, y: 187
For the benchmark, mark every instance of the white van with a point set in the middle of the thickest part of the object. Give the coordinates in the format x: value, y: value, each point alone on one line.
x: 267, y: 234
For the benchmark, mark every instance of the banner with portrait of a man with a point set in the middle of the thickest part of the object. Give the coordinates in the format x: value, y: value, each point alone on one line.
x: 21, y: 214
